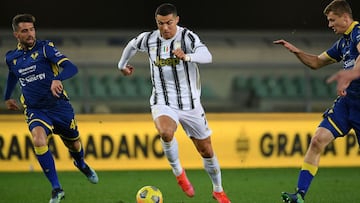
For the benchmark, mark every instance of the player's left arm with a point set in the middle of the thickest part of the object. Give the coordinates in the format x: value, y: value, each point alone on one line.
x: 344, y: 77
x: 68, y: 68
x: 357, y: 61
x: 199, y: 53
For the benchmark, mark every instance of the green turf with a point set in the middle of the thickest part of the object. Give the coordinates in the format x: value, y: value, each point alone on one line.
x: 331, y: 185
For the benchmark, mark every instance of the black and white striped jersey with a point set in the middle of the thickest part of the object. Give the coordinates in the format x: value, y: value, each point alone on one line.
x: 176, y: 83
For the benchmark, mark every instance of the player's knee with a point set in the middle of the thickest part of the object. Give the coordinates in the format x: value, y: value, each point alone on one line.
x: 73, y: 145
x: 317, y: 144
x: 205, y: 152
x: 166, y: 134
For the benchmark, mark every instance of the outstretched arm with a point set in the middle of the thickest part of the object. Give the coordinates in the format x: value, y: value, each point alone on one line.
x: 310, y: 60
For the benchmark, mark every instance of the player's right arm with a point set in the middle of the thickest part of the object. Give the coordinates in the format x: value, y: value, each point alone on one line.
x: 10, y: 86
x: 310, y: 60
x: 134, y: 45
x: 128, y: 52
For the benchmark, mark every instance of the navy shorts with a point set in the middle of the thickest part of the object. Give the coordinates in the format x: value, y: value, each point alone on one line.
x: 343, y: 116
x: 58, y: 120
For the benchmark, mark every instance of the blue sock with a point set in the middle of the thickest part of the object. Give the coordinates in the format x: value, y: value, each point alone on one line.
x: 78, y: 157
x: 47, y: 164
x: 304, y: 181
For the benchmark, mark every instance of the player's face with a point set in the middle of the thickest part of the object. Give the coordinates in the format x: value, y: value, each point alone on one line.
x: 25, y: 34
x: 167, y: 25
x: 337, y: 23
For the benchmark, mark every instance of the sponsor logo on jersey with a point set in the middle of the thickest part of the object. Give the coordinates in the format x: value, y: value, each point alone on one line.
x: 166, y: 62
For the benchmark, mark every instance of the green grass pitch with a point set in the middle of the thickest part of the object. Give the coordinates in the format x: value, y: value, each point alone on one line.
x: 331, y: 185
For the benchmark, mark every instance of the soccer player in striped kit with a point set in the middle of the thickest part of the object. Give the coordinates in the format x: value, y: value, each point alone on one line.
x: 35, y: 64
x: 344, y: 114
x: 174, y: 53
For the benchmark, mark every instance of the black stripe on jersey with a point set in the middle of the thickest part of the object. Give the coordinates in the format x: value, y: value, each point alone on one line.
x: 146, y: 39
x: 152, y: 66
x: 192, y: 39
x: 186, y: 66
x: 161, y: 75
x: 176, y: 78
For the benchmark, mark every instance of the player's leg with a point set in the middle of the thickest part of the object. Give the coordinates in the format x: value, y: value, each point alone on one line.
x: 44, y: 155
x: 166, y: 121
x: 77, y: 153
x: 310, y: 165
x: 40, y: 127
x: 212, y: 167
x: 335, y: 123
x: 195, y: 124
x: 65, y: 125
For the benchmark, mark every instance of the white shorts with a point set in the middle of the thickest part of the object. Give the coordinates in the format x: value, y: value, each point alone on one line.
x: 193, y: 121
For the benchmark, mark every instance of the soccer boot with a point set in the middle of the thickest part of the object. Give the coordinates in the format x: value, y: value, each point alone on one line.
x: 89, y: 173
x: 297, y: 197
x: 57, y: 195
x: 221, y: 197
x: 185, y: 184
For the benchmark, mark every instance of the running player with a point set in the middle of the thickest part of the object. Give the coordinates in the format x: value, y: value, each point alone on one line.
x: 343, y: 115
x: 174, y: 52
x: 36, y: 65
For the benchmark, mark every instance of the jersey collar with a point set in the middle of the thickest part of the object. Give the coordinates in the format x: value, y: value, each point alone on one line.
x: 351, y: 27
x: 19, y: 47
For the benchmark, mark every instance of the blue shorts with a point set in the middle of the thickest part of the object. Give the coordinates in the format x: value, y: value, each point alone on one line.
x: 58, y: 120
x: 343, y: 116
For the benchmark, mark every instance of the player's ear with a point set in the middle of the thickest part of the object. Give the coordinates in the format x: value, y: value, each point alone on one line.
x: 15, y: 35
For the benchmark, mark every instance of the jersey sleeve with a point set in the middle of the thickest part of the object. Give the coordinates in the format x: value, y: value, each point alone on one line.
x: 136, y: 44
x: 11, y: 79
x: 198, y: 52
x: 356, y: 36
x: 56, y: 57
x: 52, y: 54
x: 10, y: 85
x: 334, y: 53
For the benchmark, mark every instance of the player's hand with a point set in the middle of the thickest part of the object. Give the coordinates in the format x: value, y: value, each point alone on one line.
x: 128, y: 70
x: 179, y: 53
x: 11, y: 104
x: 287, y: 45
x: 56, y: 88
x: 343, y: 79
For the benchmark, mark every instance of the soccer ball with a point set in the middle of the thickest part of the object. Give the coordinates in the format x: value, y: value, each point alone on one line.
x: 149, y: 194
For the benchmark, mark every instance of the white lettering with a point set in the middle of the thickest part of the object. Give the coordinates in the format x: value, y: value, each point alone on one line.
x: 31, y: 78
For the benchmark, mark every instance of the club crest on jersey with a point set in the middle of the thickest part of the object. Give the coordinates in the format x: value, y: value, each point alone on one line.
x: 177, y: 45
x: 166, y: 62
x: 34, y: 55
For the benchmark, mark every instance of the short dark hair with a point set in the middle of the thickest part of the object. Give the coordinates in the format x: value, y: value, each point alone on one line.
x: 338, y: 7
x: 22, y: 18
x: 166, y: 9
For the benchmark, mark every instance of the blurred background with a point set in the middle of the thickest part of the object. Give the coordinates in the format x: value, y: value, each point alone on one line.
x: 248, y: 74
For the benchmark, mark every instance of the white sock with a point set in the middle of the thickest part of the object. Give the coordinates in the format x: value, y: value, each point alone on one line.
x: 171, y: 151
x: 212, y: 167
